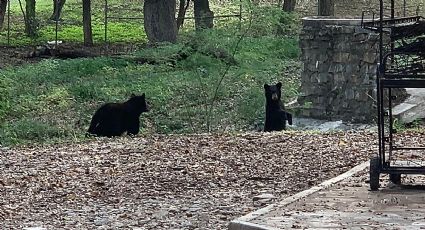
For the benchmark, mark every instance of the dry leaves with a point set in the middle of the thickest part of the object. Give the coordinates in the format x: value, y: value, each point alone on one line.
x: 167, y: 182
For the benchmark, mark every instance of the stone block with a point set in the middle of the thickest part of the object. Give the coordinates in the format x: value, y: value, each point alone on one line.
x: 341, y: 57
x: 323, y: 77
x: 360, y: 37
x: 352, y: 68
x: 342, y: 47
x: 306, y: 36
x: 338, y: 77
x: 337, y: 68
x: 370, y: 57
x: 312, y: 66
x: 349, y: 94
x: 314, y: 77
x: 321, y: 57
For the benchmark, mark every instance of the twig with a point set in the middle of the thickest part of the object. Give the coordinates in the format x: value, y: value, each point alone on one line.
x: 182, y: 13
x: 23, y: 13
x: 227, y: 70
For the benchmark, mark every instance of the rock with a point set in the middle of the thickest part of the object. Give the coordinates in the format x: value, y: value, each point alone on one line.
x: 173, y: 209
x: 194, y: 208
x: 100, y: 221
x: 264, y: 196
x: 160, y: 214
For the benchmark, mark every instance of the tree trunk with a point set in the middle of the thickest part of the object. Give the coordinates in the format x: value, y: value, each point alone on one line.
x: 184, y: 4
x: 159, y: 20
x: 3, y: 5
x: 88, y: 38
x: 31, y: 22
x: 326, y: 8
x: 289, y: 5
x: 204, y: 17
x: 57, y: 9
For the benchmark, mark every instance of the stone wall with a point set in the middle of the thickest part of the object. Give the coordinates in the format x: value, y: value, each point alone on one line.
x: 338, y: 77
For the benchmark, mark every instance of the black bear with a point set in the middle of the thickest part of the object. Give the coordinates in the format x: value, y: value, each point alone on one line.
x: 113, y: 119
x: 276, y: 116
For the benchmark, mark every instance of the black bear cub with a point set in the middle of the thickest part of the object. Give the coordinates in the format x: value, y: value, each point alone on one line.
x: 113, y: 119
x: 276, y: 116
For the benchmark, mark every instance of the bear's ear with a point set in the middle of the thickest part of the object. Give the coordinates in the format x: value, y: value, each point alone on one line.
x: 266, y: 86
x: 132, y: 95
x: 143, y: 95
x: 279, y: 85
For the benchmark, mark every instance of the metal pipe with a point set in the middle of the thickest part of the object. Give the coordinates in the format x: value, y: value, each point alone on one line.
x: 106, y: 23
x: 392, y: 9
x: 390, y: 125
x: 56, y: 23
x: 240, y: 14
x: 404, y: 8
x: 381, y: 139
x: 8, y: 22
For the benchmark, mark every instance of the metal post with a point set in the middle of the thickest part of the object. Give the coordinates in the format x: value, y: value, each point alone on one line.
x: 391, y: 31
x: 8, y: 22
x: 106, y: 24
x: 381, y: 24
x: 404, y: 8
x: 56, y: 23
x: 392, y: 9
x: 390, y: 121
x: 379, y: 94
x: 240, y: 14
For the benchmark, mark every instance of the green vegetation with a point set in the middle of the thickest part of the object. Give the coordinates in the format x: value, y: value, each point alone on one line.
x: 54, y: 100
x: 70, y: 28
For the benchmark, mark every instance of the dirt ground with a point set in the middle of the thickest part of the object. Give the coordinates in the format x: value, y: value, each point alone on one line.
x: 167, y: 182
x: 15, y: 56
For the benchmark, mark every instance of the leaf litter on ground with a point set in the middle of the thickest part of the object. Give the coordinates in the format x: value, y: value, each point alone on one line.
x: 168, y: 181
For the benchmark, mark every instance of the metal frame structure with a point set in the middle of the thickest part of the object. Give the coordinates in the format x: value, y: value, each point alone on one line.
x: 8, y: 26
x: 106, y: 17
x: 401, y: 65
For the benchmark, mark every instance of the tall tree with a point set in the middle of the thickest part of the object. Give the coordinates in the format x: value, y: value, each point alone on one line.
x: 31, y: 24
x: 88, y: 38
x: 289, y: 5
x: 3, y: 5
x: 159, y: 20
x: 326, y: 7
x: 204, y: 17
x: 57, y: 9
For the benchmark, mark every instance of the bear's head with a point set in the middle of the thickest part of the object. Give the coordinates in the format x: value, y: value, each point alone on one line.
x: 273, y: 92
x: 139, y: 103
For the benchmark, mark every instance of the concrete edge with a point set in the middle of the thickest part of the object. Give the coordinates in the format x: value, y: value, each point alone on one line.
x: 242, y: 223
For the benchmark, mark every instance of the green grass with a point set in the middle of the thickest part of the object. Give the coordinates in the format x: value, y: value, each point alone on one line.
x: 54, y: 100
x: 70, y: 28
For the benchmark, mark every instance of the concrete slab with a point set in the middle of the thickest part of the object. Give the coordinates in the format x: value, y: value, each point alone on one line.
x: 413, y: 107
x: 345, y: 202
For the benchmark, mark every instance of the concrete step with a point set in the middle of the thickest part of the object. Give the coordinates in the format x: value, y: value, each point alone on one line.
x: 412, y: 108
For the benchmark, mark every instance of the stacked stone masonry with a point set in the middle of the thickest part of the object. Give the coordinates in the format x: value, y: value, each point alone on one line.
x: 338, y: 77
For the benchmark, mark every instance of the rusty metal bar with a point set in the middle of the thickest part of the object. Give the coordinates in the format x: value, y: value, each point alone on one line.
x: 8, y: 22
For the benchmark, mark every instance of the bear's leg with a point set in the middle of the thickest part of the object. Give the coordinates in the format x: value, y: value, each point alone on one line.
x: 108, y: 128
x: 116, y: 129
x: 133, y: 126
x: 94, y: 124
x: 289, y: 118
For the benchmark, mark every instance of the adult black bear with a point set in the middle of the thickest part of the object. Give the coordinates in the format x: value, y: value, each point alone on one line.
x: 113, y: 119
x: 276, y: 116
